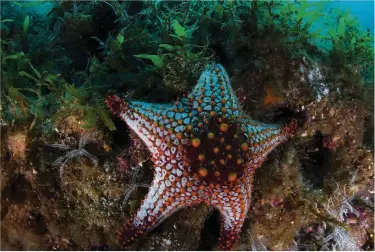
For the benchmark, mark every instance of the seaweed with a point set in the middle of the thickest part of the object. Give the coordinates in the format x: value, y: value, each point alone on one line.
x: 89, y: 109
x: 20, y: 96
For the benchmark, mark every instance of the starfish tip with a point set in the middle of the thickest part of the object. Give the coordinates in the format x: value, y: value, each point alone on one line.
x: 114, y: 103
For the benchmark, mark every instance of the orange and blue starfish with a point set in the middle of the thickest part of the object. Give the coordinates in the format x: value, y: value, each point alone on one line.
x: 205, y: 149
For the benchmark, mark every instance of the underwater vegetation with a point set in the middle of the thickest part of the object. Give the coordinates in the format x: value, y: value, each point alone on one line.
x: 72, y: 172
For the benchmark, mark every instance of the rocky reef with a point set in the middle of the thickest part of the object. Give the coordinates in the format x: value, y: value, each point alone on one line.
x: 72, y: 173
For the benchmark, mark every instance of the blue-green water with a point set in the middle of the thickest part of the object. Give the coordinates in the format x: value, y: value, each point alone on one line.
x: 363, y: 10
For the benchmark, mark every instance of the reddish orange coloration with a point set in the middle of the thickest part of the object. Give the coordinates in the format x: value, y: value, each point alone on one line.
x: 270, y: 96
x: 244, y: 146
x: 211, y: 135
x: 216, y: 150
x: 224, y: 127
x: 179, y: 135
x: 196, y: 142
x: 232, y: 177
x: 203, y: 172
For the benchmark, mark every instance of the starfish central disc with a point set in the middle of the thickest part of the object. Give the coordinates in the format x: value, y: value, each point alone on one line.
x: 220, y: 156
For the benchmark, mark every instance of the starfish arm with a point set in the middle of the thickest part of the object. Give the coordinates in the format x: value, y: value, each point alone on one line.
x: 233, y: 213
x: 172, y: 188
x: 214, y: 93
x: 260, y: 133
x: 165, y: 197
x: 264, y: 137
x: 153, y: 123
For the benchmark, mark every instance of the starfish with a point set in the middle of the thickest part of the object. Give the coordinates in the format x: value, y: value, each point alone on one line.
x: 205, y: 149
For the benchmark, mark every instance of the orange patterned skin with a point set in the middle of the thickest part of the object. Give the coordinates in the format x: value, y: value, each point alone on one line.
x: 205, y: 149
